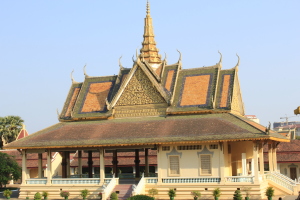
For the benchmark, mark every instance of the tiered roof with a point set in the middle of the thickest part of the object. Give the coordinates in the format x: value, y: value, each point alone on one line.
x: 103, y: 111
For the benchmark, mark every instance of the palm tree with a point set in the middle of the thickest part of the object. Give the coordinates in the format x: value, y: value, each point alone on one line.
x: 10, y: 126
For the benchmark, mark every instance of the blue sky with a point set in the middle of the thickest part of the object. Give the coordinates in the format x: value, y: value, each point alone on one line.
x: 41, y: 42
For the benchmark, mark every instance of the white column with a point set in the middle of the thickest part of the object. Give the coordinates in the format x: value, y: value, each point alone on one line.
x: 255, y: 162
x: 221, y: 163
x: 274, y: 157
x: 24, y: 167
x: 244, y: 164
x: 261, y: 160
x: 270, y: 155
x: 40, y: 165
x: 49, y: 171
x: 102, y: 166
x: 225, y: 151
x: 159, y: 153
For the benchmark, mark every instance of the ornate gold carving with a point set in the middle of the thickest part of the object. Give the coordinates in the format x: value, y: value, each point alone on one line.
x: 140, y: 112
x: 140, y: 91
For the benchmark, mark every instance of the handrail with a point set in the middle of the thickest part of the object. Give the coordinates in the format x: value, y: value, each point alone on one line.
x: 139, y: 189
x: 107, y: 189
x: 280, y: 181
x: 239, y: 179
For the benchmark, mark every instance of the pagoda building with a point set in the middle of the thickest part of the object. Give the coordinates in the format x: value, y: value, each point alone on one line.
x: 193, y: 119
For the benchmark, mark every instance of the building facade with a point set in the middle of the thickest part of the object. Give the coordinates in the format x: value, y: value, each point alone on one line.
x: 193, y: 118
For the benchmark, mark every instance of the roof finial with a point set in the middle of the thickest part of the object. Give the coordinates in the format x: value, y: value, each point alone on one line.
x: 148, y: 8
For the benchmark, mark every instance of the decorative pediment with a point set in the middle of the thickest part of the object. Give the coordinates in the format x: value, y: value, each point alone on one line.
x: 140, y: 91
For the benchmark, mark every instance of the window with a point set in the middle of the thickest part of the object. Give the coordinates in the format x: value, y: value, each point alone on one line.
x: 174, y: 165
x: 190, y: 147
x: 165, y: 148
x: 213, y: 146
x: 205, y: 165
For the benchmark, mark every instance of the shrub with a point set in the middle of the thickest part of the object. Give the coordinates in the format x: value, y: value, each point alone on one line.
x: 217, y: 192
x: 152, y: 192
x: 45, y: 194
x: 172, y: 193
x: 84, y: 193
x: 196, y: 193
x: 64, y: 193
x: 7, y: 193
x: 237, y: 195
x: 37, y: 196
x: 140, y: 197
x: 269, y: 192
x: 114, y: 196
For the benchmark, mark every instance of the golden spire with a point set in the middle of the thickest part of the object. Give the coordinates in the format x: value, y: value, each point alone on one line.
x: 149, y: 50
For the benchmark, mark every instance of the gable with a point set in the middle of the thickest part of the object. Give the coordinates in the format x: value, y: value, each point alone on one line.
x: 140, y: 91
x: 237, y: 105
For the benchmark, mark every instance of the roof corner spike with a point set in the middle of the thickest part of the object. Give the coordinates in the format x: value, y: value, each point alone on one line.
x: 238, y: 63
x: 166, y: 56
x: 133, y: 59
x: 57, y: 113
x: 84, y: 72
x: 72, y: 78
x: 120, y: 64
x: 221, y: 59
x: 179, y: 56
x: 136, y: 54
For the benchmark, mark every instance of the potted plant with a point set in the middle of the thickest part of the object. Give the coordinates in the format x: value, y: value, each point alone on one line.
x: 114, y: 196
x: 172, y: 194
x: 45, y: 194
x: 65, y: 194
x: 237, y: 195
x: 84, y: 193
x: 100, y: 195
x: 27, y: 195
x: 196, y: 194
x: 269, y: 192
x: 7, y: 193
x: 37, y: 196
x: 216, y: 193
x: 152, y: 192
x: 247, y: 192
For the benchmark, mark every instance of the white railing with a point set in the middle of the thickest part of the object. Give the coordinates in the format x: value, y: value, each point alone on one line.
x: 192, y: 180
x: 107, y: 189
x: 280, y: 181
x: 140, y: 188
x: 36, y: 181
x: 151, y: 180
x: 235, y: 179
x: 75, y: 181
x: 285, y: 178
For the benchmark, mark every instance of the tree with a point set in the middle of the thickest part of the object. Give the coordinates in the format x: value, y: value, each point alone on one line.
x: 9, y: 169
x: 10, y: 126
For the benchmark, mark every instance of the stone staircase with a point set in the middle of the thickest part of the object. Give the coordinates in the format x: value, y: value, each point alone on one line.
x: 125, y: 191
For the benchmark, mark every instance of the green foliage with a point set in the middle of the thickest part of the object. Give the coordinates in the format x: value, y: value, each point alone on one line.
x: 9, y: 169
x: 172, y: 193
x: 237, y: 195
x: 196, y: 193
x: 114, y: 196
x: 140, y: 197
x: 45, y: 194
x: 269, y: 192
x: 152, y: 192
x: 217, y: 192
x: 10, y: 126
x: 7, y: 193
x: 247, y: 191
x: 64, y: 193
x: 37, y: 196
x: 84, y: 193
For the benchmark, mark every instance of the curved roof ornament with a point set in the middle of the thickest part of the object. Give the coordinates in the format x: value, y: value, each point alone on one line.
x: 221, y: 57
x: 72, y: 78
x: 166, y: 56
x: 84, y: 71
x: 136, y: 54
x: 133, y: 58
x: 179, y: 56
x: 120, y: 64
x: 238, y: 63
x: 57, y: 112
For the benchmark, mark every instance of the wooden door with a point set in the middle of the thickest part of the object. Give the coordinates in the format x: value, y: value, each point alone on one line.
x: 293, y: 173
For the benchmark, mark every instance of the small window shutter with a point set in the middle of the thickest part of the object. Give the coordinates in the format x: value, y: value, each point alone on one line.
x: 205, y: 164
x: 174, y: 164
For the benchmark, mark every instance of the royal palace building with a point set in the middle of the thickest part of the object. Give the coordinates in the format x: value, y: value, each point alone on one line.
x: 190, y: 122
